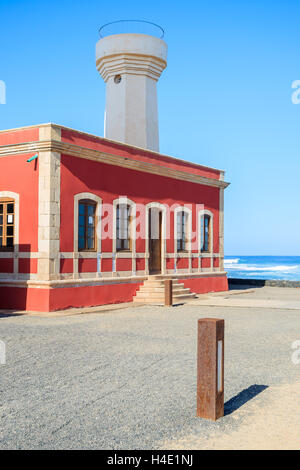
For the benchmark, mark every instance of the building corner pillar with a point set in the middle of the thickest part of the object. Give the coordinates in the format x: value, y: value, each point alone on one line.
x: 49, y: 207
x: 221, y: 229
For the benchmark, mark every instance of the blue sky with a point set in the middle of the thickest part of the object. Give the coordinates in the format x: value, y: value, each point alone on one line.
x: 224, y: 99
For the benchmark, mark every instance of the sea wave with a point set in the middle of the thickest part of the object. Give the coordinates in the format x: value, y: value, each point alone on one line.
x: 231, y: 260
x: 247, y: 267
x: 263, y: 267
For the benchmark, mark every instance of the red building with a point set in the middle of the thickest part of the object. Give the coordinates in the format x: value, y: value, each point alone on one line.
x: 87, y: 220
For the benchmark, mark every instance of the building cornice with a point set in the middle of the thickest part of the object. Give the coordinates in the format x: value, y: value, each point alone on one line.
x: 109, y: 159
x: 120, y: 144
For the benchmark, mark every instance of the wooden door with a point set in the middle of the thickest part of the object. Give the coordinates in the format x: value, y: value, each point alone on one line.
x: 154, y: 237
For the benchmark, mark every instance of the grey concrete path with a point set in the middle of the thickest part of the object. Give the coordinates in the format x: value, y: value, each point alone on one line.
x: 126, y: 379
x: 264, y: 297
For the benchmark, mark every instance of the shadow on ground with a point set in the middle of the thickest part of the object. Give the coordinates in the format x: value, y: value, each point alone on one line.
x: 240, y: 285
x: 9, y: 314
x: 243, y: 397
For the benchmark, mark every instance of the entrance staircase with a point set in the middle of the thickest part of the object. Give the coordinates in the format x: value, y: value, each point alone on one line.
x: 153, y: 291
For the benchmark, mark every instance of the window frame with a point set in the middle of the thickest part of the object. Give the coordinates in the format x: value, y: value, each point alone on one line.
x: 204, y: 215
x: 206, y: 235
x: 86, y: 202
x: 5, y: 200
x: 126, y: 253
x: 129, y: 228
x: 188, y: 233
x: 183, y: 242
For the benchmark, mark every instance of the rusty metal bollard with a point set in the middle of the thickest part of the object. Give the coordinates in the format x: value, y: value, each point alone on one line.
x: 168, y: 293
x: 210, y: 368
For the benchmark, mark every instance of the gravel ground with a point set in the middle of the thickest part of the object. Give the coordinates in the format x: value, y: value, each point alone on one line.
x: 126, y: 379
x: 271, y: 421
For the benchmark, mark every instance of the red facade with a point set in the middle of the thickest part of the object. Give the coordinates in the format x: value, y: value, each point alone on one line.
x: 46, y: 271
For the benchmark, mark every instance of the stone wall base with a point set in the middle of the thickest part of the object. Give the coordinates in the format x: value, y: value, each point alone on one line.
x: 45, y: 299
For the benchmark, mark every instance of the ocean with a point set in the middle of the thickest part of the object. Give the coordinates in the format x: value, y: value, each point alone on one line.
x: 263, y: 267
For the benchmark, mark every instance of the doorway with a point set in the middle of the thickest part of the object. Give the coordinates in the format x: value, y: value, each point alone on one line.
x: 154, y: 239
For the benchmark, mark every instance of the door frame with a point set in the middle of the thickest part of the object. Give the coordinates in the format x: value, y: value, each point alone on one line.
x: 163, y: 210
x: 155, y: 245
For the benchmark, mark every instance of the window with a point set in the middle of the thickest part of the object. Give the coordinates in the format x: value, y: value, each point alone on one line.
x: 182, y: 219
x: 205, y: 233
x: 86, y: 225
x: 7, y: 224
x: 123, y: 227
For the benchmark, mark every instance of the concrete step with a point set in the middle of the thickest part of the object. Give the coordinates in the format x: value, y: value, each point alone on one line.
x: 159, y: 276
x: 187, y: 296
x: 148, y: 295
x: 158, y: 283
x: 162, y: 289
x: 175, y: 287
x: 161, y: 301
x: 153, y: 291
x: 142, y: 300
x: 161, y: 295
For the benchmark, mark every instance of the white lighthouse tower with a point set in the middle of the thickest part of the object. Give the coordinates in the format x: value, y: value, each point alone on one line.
x: 131, y: 64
